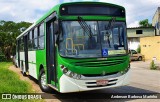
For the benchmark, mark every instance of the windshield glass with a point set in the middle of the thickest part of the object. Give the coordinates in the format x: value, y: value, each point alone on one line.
x: 92, y: 39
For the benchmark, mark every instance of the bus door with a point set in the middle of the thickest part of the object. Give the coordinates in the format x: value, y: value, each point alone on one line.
x: 26, y: 52
x: 50, y: 53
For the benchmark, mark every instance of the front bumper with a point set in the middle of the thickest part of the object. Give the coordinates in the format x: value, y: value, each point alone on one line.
x: 68, y: 84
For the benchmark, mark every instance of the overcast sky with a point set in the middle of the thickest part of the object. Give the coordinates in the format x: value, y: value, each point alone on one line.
x: 32, y: 10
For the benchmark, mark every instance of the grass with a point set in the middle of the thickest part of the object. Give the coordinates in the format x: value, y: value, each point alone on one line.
x: 153, y: 65
x: 10, y: 83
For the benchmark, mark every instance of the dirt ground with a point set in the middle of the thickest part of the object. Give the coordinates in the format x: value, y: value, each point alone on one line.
x: 32, y: 81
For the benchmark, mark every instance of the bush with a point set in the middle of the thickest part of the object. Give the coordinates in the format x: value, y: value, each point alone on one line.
x: 3, y: 58
x: 153, y: 66
x: 139, y: 49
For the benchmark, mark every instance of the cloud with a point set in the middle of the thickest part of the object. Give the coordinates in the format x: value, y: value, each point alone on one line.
x: 31, y: 10
x: 134, y: 24
x: 25, y: 10
x: 137, y: 10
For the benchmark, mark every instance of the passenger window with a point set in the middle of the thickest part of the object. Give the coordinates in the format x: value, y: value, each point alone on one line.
x: 41, y: 37
x: 30, y: 41
x: 35, y: 39
x: 30, y: 35
x: 35, y: 32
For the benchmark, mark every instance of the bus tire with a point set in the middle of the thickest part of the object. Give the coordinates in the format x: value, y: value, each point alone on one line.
x: 42, y: 82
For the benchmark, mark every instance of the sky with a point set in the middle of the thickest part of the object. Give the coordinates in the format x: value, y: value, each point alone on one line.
x: 32, y: 10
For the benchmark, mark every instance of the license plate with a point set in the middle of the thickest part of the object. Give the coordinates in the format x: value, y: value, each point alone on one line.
x: 102, y: 82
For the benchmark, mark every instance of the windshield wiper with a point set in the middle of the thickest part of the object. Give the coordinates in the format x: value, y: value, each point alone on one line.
x: 108, y: 27
x: 85, y: 26
x: 111, y: 23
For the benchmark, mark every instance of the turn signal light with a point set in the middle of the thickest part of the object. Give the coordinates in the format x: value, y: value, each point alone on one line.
x: 62, y: 66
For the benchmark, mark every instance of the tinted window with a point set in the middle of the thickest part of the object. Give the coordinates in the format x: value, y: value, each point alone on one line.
x: 35, y: 33
x: 133, y: 52
x: 35, y: 43
x: 41, y: 42
x: 139, y: 32
x: 41, y: 37
x: 30, y: 45
x: 21, y: 44
x: 30, y: 35
x: 83, y: 9
x: 41, y: 29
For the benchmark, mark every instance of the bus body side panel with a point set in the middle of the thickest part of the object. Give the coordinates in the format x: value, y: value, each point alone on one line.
x: 41, y: 60
x: 32, y: 63
x: 22, y: 60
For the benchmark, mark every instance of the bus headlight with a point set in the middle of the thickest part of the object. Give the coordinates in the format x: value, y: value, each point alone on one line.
x: 65, y: 70
x: 78, y: 76
x: 69, y: 73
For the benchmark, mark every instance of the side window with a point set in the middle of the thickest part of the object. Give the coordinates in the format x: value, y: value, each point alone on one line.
x: 21, y: 45
x: 35, y: 38
x: 30, y: 41
x: 30, y: 35
x: 134, y: 52
x: 41, y: 36
x: 139, y: 31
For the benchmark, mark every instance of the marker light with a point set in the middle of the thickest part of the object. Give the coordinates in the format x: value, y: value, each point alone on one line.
x: 65, y: 70
x: 62, y: 66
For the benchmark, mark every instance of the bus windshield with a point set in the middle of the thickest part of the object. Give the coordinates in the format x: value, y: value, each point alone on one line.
x: 90, y: 39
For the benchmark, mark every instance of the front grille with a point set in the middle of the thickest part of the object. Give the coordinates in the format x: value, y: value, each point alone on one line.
x: 97, y: 75
x: 100, y: 85
x: 98, y: 63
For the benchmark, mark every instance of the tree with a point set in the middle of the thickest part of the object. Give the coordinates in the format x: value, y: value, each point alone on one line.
x: 145, y: 23
x: 9, y: 30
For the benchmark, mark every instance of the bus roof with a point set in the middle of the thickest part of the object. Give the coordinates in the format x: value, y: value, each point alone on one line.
x: 56, y: 9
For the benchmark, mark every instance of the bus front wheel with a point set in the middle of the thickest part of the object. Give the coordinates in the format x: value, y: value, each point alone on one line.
x: 42, y: 82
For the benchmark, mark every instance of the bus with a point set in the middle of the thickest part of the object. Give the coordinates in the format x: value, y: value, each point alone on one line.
x: 76, y: 46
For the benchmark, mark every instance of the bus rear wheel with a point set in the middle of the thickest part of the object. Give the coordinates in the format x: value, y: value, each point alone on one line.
x: 42, y: 82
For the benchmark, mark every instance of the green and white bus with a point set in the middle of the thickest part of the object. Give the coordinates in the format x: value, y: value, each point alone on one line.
x: 76, y: 46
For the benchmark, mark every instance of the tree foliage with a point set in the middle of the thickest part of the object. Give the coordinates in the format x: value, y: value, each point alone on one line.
x: 145, y: 23
x: 9, y: 30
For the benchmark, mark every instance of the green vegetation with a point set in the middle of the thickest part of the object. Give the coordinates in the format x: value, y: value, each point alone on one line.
x: 11, y: 83
x: 139, y: 49
x: 153, y: 65
x: 9, y: 30
x: 11, y: 80
x: 145, y: 23
x: 2, y: 58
